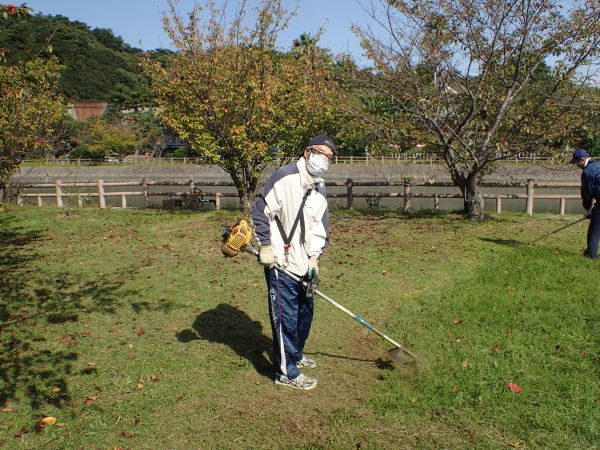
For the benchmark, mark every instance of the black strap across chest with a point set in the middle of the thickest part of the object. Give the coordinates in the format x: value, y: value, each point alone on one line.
x: 287, y: 239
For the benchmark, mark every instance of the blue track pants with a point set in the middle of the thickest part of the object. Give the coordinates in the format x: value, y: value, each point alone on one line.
x: 291, y: 317
x: 593, y: 234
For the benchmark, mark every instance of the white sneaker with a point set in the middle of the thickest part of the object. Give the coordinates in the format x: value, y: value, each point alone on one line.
x: 306, y: 363
x: 300, y: 382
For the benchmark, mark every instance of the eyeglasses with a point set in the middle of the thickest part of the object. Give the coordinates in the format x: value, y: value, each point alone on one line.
x: 320, y: 152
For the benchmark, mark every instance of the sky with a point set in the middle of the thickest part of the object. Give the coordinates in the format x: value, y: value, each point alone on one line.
x: 138, y: 22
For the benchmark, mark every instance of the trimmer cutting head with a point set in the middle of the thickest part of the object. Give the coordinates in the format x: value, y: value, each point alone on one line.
x: 397, y: 355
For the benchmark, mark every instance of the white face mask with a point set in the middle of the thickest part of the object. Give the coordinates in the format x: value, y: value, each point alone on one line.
x: 317, y: 164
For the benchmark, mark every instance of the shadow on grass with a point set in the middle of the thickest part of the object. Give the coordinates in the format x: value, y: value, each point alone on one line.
x: 383, y: 214
x: 505, y: 242
x: 234, y: 328
x: 34, y: 363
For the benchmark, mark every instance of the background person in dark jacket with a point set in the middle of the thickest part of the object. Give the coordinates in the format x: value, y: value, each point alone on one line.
x: 590, y: 194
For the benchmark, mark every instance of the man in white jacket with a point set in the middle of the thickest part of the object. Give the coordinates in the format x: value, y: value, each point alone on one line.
x: 291, y: 222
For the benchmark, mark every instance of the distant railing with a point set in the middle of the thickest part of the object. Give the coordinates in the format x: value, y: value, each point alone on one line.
x: 400, y: 158
x: 192, y: 195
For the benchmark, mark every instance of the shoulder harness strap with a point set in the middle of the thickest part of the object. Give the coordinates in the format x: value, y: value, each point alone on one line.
x: 287, y: 239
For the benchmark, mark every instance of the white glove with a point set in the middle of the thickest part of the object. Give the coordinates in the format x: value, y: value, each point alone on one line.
x: 266, y: 256
x: 313, y: 266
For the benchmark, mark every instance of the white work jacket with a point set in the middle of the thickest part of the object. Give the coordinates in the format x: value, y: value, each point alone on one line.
x: 282, y: 197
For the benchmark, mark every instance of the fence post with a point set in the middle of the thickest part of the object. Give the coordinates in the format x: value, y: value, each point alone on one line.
x: 498, y: 205
x: 407, y: 191
x: 436, y: 202
x: 563, y: 205
x: 79, y: 200
x: 218, y: 200
x: 19, y: 199
x: 101, y: 199
x: 349, y: 193
x: 530, y: 196
x: 40, y: 202
x: 123, y: 201
x: 146, y: 192
x: 59, y: 200
x: 351, y: 159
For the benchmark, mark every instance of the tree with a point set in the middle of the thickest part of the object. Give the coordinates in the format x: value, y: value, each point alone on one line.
x: 480, y: 81
x: 100, y: 138
x: 232, y: 96
x: 29, y: 105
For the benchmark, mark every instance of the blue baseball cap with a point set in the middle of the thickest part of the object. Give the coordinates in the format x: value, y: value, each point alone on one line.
x: 578, y: 154
x: 323, y: 139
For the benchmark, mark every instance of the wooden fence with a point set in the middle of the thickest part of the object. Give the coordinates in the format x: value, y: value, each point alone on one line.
x: 192, y: 194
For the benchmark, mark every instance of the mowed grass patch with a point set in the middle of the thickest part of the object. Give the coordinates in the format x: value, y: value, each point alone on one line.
x: 132, y: 330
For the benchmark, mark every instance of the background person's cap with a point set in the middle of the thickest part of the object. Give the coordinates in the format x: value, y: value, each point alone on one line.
x: 578, y: 154
x: 323, y: 139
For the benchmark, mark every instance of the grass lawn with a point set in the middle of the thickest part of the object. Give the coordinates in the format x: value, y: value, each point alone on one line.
x: 131, y: 329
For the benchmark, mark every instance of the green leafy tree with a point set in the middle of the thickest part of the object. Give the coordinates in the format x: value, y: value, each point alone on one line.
x: 99, y: 139
x: 480, y: 81
x: 151, y: 130
x: 29, y: 104
x: 232, y: 96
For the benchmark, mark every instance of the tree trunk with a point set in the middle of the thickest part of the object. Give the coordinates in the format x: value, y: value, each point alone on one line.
x: 246, y: 186
x: 245, y: 201
x: 473, y: 199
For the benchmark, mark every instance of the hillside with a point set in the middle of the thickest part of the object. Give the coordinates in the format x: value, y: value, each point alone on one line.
x: 100, y: 67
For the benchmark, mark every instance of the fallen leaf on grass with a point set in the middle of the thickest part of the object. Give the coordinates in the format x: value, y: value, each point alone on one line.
x: 126, y: 434
x: 140, y: 332
x: 496, y: 350
x: 90, y: 400
x: 154, y: 378
x: 47, y: 421
x: 137, y: 420
x: 86, y: 333
x: 514, y: 387
x: 132, y: 356
x: 140, y: 386
x: 465, y: 364
x: 515, y: 444
x: 55, y: 389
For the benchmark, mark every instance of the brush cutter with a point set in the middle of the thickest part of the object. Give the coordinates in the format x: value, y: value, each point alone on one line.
x: 238, y: 237
x: 560, y: 229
